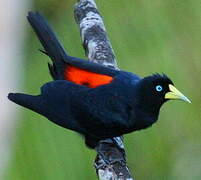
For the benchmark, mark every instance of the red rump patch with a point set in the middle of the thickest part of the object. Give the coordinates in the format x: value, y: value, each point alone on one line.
x: 86, y: 78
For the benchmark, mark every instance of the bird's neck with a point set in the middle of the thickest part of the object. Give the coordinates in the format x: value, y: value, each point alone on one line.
x: 148, y: 108
x: 146, y: 102
x: 145, y: 119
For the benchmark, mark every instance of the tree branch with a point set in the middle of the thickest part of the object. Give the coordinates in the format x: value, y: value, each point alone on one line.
x: 110, y: 162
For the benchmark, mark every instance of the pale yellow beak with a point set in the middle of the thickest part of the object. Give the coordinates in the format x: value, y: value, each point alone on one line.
x: 175, y: 94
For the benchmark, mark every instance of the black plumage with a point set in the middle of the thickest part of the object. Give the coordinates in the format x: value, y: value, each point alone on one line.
x: 93, y: 100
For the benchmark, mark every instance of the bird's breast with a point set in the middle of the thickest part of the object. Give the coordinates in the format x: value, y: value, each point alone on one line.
x: 144, y: 120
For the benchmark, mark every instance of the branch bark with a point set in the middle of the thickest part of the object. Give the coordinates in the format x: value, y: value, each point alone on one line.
x: 110, y: 163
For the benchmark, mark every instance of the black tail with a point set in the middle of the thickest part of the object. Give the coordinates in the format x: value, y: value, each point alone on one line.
x: 52, y: 46
x: 56, y: 52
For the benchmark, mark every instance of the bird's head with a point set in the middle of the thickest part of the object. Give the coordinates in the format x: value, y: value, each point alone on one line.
x: 156, y: 89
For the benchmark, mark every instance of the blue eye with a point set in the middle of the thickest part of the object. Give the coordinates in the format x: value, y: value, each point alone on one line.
x: 159, y: 88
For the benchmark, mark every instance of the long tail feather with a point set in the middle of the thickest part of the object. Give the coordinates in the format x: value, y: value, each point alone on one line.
x: 46, y: 36
x: 52, y: 47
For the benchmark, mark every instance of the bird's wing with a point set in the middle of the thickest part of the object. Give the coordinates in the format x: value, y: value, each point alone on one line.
x: 104, y: 112
x: 53, y: 102
x: 66, y: 67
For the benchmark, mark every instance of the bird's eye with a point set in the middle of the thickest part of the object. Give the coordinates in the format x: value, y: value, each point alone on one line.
x: 159, y: 88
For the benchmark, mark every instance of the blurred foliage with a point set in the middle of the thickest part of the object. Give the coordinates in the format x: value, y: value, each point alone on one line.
x: 147, y: 36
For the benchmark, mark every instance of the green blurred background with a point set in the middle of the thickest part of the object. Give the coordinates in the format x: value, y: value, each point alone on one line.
x: 148, y: 37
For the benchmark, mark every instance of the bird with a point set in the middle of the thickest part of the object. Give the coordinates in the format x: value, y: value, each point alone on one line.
x: 91, y: 99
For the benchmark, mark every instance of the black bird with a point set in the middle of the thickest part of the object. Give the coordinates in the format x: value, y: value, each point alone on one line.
x: 93, y: 100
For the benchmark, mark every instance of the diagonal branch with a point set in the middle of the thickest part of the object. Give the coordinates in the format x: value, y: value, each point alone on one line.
x: 110, y: 162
